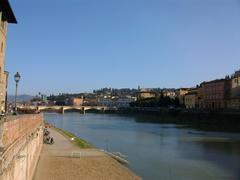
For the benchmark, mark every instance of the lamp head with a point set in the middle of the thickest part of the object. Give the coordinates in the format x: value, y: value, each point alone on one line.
x: 17, y: 77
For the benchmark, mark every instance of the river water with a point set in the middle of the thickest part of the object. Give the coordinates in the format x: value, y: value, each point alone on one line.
x: 158, y: 151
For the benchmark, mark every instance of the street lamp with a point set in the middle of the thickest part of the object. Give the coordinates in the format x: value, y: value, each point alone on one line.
x: 17, y: 79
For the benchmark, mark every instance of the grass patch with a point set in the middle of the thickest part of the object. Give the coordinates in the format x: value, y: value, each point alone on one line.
x: 77, y: 141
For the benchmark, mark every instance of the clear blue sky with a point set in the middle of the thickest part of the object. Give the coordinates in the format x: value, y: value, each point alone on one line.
x: 81, y: 45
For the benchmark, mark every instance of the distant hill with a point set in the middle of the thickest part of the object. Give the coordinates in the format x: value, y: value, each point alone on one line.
x: 20, y: 98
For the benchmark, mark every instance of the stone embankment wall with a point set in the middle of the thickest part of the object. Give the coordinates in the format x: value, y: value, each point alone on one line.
x: 21, y: 139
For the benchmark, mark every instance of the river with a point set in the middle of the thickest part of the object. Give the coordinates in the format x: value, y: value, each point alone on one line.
x: 158, y: 151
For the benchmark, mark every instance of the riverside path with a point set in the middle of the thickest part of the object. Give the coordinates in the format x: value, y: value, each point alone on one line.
x: 63, y: 160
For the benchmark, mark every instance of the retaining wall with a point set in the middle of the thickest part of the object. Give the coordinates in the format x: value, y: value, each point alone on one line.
x: 21, y: 139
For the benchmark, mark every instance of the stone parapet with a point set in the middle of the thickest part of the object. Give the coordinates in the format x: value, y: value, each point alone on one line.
x: 16, y: 127
x: 21, y: 140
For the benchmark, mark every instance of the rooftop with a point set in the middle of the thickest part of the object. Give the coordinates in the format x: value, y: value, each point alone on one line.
x: 215, y: 81
x: 8, y: 14
x: 191, y: 93
x: 237, y: 73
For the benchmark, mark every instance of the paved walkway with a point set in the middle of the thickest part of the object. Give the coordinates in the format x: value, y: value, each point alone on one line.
x: 65, y: 161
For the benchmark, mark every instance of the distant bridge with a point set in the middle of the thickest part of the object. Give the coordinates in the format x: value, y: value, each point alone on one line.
x: 62, y: 109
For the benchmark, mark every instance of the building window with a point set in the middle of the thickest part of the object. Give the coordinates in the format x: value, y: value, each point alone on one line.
x: 2, y: 47
x: 3, y: 25
x: 0, y: 73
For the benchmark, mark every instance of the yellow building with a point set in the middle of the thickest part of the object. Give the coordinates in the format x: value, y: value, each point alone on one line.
x: 181, y: 95
x: 234, y: 102
x: 6, y: 16
x: 191, y: 100
x: 146, y: 94
x: 76, y: 101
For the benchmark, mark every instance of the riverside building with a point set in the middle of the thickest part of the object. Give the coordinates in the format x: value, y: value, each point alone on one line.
x: 215, y: 94
x: 192, y: 99
x: 146, y: 95
x: 234, y: 102
x: 6, y: 16
x: 181, y: 95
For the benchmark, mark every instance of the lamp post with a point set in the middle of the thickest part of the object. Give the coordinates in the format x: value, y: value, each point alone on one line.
x: 17, y: 79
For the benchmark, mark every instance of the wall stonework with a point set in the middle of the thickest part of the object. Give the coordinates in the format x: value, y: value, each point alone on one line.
x: 3, y: 34
x: 21, y: 140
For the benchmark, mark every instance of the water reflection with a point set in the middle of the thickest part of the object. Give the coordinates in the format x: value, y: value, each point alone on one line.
x: 158, y: 151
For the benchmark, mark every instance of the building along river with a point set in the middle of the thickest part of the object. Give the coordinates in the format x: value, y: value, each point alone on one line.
x: 158, y: 151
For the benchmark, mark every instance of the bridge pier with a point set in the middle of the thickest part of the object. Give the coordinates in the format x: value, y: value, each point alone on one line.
x: 62, y: 110
x: 83, y: 110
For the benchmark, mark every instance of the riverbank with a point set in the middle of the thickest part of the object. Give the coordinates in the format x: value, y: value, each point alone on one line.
x: 157, y: 151
x: 228, y: 121
x: 74, y: 139
x: 66, y: 160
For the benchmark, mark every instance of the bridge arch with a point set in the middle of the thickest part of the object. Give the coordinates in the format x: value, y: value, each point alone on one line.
x: 78, y: 109
x: 62, y: 109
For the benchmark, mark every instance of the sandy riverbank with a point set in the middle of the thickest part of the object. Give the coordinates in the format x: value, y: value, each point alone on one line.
x: 65, y: 161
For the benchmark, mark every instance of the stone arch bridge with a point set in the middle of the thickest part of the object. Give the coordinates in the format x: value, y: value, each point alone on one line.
x: 62, y: 109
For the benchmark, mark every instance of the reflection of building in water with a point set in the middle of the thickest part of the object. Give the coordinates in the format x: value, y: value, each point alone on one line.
x: 7, y: 16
